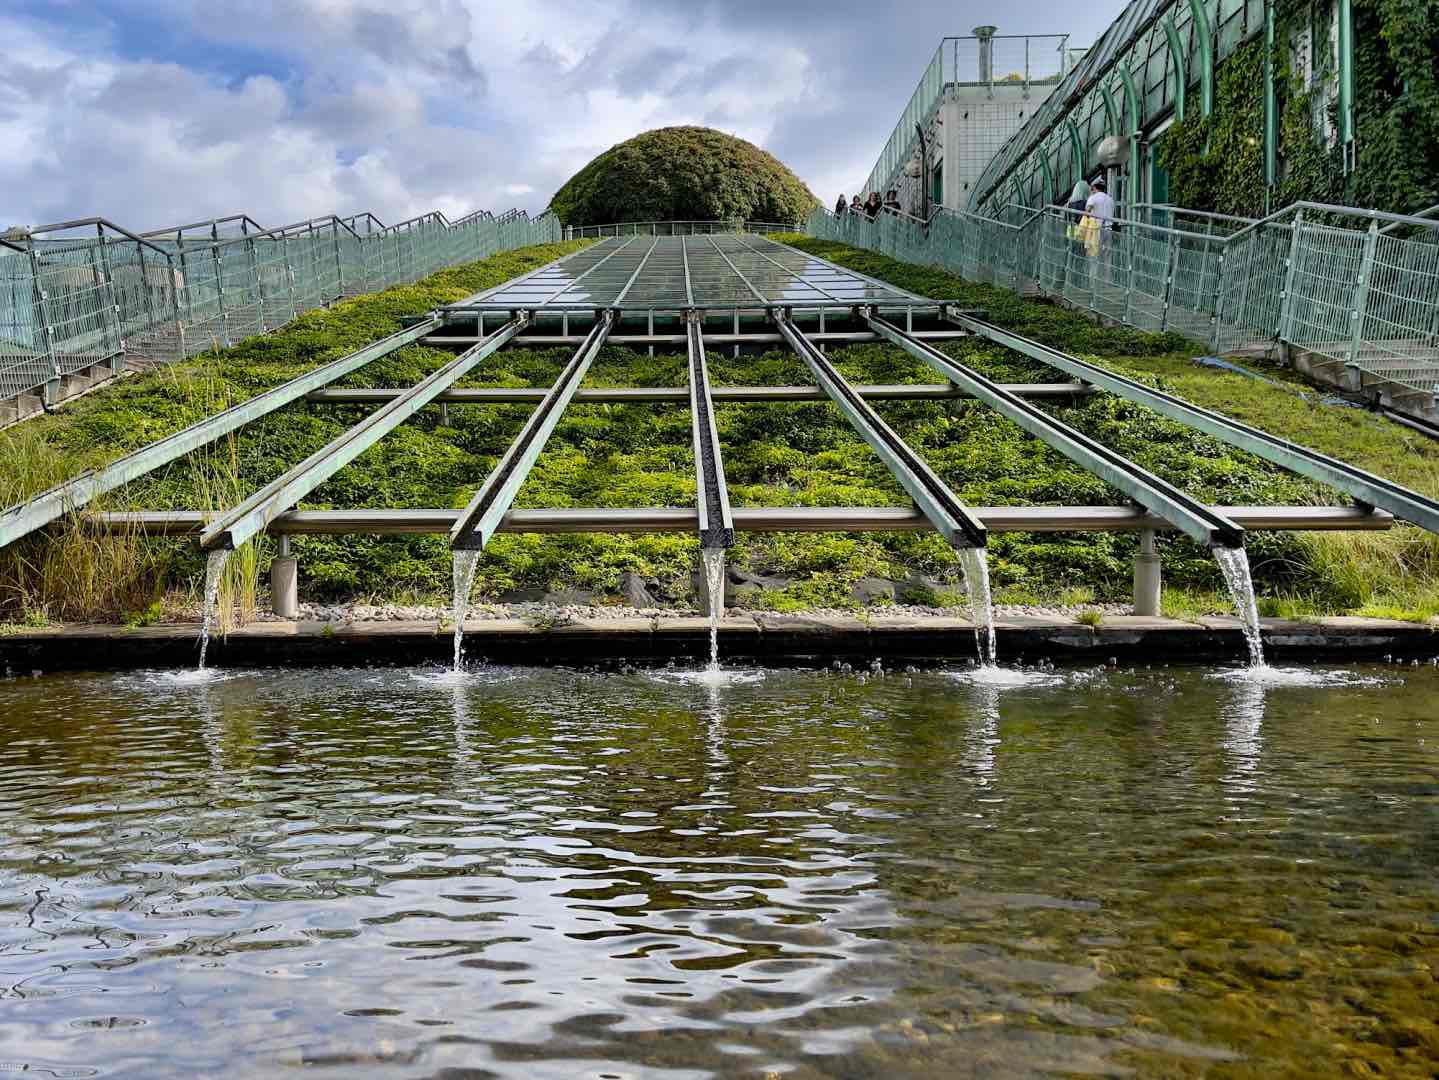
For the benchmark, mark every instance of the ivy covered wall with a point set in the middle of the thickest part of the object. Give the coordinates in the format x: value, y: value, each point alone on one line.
x: 1217, y: 163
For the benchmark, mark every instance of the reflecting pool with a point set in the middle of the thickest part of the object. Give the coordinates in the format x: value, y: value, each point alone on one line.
x: 799, y: 874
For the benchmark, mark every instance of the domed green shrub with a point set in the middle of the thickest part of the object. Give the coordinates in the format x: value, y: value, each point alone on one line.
x: 683, y: 174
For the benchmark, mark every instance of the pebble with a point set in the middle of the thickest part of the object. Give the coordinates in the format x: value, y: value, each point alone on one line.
x: 563, y: 613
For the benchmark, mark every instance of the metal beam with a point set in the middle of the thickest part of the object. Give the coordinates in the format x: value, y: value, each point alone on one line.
x: 533, y: 395
x: 668, y: 519
x: 252, y: 515
x: 24, y: 518
x: 480, y: 519
x: 716, y: 527
x: 1188, y: 515
x: 940, y: 505
x: 846, y: 337
x: 1368, y: 489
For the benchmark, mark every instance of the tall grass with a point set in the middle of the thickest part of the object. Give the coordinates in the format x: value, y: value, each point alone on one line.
x: 75, y: 571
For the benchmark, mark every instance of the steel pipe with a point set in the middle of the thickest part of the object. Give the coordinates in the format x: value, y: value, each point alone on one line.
x: 251, y: 516
x: 24, y: 518
x: 1368, y: 489
x: 750, y: 519
x: 1190, y: 516
x: 716, y: 527
x: 919, y: 481
x: 479, y: 520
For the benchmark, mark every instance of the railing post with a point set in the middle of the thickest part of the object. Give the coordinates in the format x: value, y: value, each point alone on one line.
x: 339, y: 262
x: 1284, y: 331
x: 1170, y: 258
x: 1128, y: 240
x: 219, y: 286
x: 51, y: 392
x: 1361, y: 294
x: 1218, y: 298
x: 106, y: 277
x: 255, y: 275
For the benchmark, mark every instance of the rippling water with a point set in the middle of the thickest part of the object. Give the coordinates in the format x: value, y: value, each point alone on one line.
x: 559, y: 874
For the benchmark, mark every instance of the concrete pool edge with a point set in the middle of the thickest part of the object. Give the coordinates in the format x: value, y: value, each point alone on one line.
x: 750, y: 638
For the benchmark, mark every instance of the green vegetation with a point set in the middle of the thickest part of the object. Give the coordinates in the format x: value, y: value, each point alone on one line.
x: 775, y: 455
x: 1217, y: 163
x: 683, y: 174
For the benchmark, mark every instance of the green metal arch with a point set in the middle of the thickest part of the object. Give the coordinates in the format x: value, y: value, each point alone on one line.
x: 1111, y: 110
x: 1049, y: 192
x: 1176, y: 55
x: 1204, y: 36
x: 1076, y: 146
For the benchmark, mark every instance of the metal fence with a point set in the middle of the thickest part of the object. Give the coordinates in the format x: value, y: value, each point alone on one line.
x: 83, y: 296
x: 679, y: 228
x: 1357, y: 288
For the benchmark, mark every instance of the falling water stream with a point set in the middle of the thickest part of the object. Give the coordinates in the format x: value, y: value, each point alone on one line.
x: 465, y: 564
x: 214, y: 570
x: 1234, y: 565
x: 713, y: 561
x: 976, y: 583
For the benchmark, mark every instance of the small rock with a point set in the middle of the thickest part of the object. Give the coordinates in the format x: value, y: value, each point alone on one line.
x: 632, y: 588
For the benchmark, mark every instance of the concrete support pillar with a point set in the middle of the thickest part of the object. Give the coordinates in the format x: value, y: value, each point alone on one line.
x: 285, y: 583
x: 1146, y: 576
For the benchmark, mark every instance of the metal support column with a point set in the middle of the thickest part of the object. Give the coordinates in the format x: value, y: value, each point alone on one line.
x: 1157, y: 496
x: 933, y: 497
x: 479, y: 520
x: 1147, y: 576
x: 1271, y: 109
x: 1346, y: 83
x: 252, y: 515
x: 1204, y: 42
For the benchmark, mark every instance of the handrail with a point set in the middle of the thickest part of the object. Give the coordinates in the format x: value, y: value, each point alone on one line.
x: 1432, y: 211
x: 102, y: 222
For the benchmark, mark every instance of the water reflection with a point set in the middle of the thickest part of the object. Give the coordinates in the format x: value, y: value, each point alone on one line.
x: 574, y: 874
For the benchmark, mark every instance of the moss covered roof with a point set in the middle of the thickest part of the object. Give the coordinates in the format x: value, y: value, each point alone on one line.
x: 683, y: 174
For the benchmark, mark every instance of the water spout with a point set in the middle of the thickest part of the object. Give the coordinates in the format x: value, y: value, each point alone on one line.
x: 214, y: 571
x: 975, y: 564
x: 713, y: 562
x: 465, y: 565
x: 1234, y: 565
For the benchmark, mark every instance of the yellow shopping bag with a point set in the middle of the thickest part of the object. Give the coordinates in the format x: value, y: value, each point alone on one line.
x: 1089, y: 232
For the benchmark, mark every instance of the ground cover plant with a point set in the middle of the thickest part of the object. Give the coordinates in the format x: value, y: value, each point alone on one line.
x: 639, y: 455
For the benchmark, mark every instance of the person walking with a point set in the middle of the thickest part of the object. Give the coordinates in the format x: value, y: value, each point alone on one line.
x: 872, y: 205
x: 891, y: 201
x: 841, y: 206
x: 1078, y: 203
x: 1100, y: 209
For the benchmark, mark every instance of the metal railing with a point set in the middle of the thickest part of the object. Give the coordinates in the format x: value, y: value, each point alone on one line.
x: 1357, y: 288
x: 679, y: 228
x: 1030, y: 60
x: 82, y: 296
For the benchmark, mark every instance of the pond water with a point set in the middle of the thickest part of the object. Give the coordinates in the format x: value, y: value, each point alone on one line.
x: 522, y: 873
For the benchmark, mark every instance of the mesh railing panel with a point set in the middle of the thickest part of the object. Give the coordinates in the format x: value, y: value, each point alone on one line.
x: 1212, y: 278
x: 68, y: 304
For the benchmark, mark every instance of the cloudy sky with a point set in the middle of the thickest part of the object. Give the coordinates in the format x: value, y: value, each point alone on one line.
x: 167, y: 111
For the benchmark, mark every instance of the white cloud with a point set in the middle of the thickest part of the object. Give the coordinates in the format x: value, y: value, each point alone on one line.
x: 403, y: 106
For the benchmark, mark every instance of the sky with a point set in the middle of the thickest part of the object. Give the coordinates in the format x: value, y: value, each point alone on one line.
x: 171, y: 111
